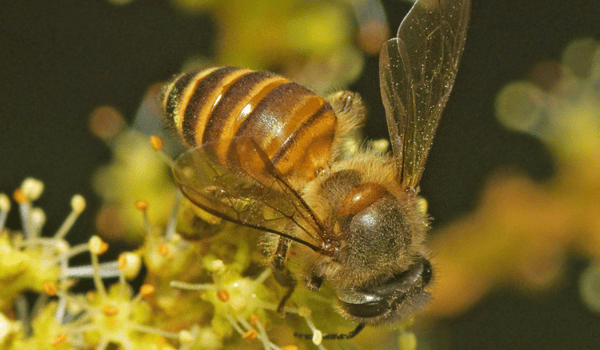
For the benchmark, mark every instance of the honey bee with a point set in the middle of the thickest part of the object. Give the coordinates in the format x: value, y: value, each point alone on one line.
x: 268, y: 153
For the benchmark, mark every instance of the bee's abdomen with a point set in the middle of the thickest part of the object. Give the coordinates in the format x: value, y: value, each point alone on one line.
x: 294, y: 126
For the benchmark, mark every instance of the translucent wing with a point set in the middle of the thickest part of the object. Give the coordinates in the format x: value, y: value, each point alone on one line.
x: 417, y: 70
x: 257, y: 197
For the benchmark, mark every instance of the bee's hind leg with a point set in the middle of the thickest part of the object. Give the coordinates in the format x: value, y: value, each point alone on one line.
x: 281, y: 273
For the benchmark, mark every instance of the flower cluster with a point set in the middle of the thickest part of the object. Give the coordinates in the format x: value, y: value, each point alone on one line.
x: 203, y: 292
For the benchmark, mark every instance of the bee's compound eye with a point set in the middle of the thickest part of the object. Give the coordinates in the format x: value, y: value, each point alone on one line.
x: 366, y: 310
x: 363, y: 303
x: 395, y: 299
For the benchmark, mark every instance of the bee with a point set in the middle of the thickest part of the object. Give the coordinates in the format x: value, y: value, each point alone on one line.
x: 268, y: 153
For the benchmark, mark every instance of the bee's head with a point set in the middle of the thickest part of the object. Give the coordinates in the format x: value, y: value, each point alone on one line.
x: 382, y: 250
x: 379, y: 270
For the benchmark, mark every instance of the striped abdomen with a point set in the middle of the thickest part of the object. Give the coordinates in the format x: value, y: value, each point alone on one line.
x: 294, y: 126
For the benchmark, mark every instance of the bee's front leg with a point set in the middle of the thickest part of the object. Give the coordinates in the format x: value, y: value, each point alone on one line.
x: 282, y: 275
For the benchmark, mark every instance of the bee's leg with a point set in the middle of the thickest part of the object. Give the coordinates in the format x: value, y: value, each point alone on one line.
x: 351, y: 113
x: 334, y: 336
x: 314, y: 283
x: 283, y: 276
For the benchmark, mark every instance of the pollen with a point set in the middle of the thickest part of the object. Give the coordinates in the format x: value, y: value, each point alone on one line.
x: 254, y: 320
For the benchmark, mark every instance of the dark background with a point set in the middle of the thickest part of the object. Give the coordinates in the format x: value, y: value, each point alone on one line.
x: 59, y: 59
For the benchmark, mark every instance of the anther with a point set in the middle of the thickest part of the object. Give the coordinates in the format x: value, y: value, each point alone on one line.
x: 156, y: 142
x: 32, y: 188
x: 59, y: 339
x: 223, y: 295
x: 110, y: 310
x: 250, y: 335
x: 50, y: 288
x: 146, y: 290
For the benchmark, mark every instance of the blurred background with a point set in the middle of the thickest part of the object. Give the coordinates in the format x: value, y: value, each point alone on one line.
x: 62, y: 60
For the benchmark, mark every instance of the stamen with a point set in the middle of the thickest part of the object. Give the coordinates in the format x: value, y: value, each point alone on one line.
x: 192, y: 286
x: 85, y: 328
x: 105, y: 270
x: 235, y: 325
x: 151, y: 330
x: 261, y: 334
x: 61, y: 308
x: 143, y: 207
x: 262, y: 277
x: 4, y: 209
x: 37, y: 219
x: 77, y: 207
x: 157, y: 144
x: 32, y: 188
x: 317, y: 337
x: 172, y: 225
x: 21, y: 307
x: 130, y: 264
x: 24, y: 207
x: 216, y: 266
x: 96, y: 247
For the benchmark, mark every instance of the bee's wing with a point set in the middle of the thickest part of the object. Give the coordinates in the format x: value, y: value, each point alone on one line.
x: 259, y: 198
x: 417, y: 70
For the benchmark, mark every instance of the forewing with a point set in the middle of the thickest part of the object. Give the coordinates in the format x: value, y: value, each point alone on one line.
x: 417, y: 70
x: 258, y: 198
